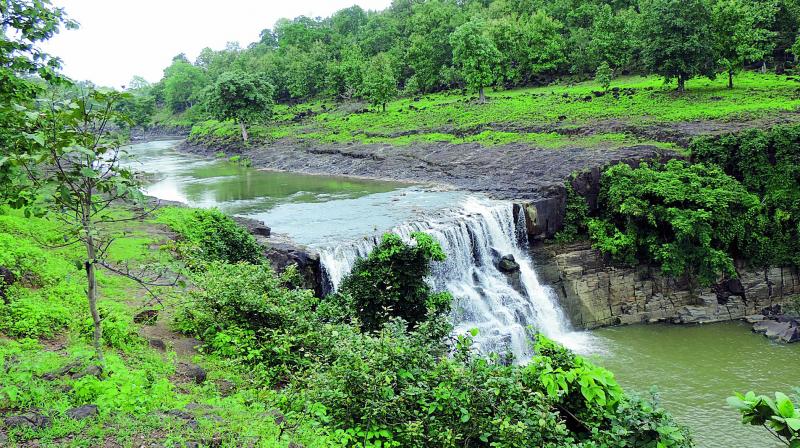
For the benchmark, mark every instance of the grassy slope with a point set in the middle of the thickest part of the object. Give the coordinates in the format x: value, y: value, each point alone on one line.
x: 547, y: 117
x: 48, y: 327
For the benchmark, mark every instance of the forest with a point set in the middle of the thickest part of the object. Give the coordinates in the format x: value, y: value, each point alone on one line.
x: 419, y: 47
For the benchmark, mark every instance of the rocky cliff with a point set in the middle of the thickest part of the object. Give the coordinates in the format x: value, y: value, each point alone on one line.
x: 595, y: 293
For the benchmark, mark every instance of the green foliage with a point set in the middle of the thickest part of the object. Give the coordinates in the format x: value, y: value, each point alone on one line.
x: 47, y: 294
x: 604, y: 75
x: 689, y: 219
x: 576, y: 216
x: 475, y: 55
x: 780, y: 416
x: 741, y: 33
x: 240, y: 96
x: 380, y: 85
x: 766, y: 163
x: 183, y: 84
x: 677, y: 39
x: 210, y: 235
x: 390, y: 282
x: 246, y: 312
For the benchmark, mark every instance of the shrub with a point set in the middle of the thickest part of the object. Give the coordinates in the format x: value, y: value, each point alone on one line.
x: 689, y: 219
x: 210, y: 235
x: 390, y: 282
x: 47, y: 294
x: 575, y: 217
x: 118, y: 329
x: 245, y: 312
x: 767, y: 163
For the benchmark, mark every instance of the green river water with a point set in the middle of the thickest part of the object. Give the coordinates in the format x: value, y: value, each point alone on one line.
x: 694, y: 367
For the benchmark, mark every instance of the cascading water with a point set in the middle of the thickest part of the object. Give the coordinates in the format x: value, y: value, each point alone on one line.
x: 500, y: 306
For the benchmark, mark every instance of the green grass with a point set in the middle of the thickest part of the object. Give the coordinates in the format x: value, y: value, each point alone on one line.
x: 46, y: 326
x: 531, y: 115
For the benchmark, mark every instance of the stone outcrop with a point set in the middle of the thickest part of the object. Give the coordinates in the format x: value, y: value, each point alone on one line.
x: 595, y: 293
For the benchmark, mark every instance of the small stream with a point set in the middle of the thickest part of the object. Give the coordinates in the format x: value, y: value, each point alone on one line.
x: 694, y: 367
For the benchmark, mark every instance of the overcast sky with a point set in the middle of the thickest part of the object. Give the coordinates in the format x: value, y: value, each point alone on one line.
x: 121, y: 38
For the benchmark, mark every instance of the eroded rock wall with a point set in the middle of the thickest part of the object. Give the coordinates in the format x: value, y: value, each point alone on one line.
x: 595, y: 293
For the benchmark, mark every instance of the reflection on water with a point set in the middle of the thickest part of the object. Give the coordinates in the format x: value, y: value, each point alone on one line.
x: 695, y: 368
x: 313, y: 210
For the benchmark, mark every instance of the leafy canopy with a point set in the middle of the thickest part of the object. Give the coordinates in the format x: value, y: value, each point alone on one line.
x: 689, y: 219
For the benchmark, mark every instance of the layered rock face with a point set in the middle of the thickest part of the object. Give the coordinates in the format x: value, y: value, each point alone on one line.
x: 596, y: 294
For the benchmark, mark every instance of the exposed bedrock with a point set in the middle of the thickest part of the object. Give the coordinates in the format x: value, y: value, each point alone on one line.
x: 595, y: 293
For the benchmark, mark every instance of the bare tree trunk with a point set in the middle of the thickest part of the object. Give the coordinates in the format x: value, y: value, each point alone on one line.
x: 730, y: 79
x: 244, y: 131
x: 482, y: 95
x: 91, y: 291
x: 384, y: 107
x: 681, y: 83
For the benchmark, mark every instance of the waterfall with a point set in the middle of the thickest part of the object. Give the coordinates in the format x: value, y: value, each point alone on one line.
x: 500, y: 306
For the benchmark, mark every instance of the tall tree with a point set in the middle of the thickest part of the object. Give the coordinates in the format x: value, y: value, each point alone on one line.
x: 78, y: 175
x: 183, y: 82
x: 380, y: 83
x: 240, y: 96
x: 677, y: 39
x: 476, y: 56
x: 741, y: 33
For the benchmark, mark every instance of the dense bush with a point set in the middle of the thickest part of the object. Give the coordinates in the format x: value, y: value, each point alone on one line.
x: 47, y: 294
x: 392, y: 384
x: 689, y: 219
x: 210, y: 235
x: 767, y: 163
x: 246, y: 312
x: 390, y: 282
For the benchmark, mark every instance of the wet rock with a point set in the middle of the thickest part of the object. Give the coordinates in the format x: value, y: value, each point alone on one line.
x: 69, y: 369
x: 754, y: 318
x: 90, y: 370
x: 7, y: 278
x: 158, y: 344
x: 255, y: 227
x: 82, y: 412
x: 284, y: 254
x: 508, y: 264
x: 28, y: 420
x: 147, y: 317
x: 196, y: 373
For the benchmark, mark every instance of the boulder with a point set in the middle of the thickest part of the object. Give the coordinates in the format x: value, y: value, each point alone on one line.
x: 148, y: 317
x: 508, y: 264
x: 284, y: 254
x: 82, y: 412
x: 255, y: 227
x: 7, y: 278
x: 28, y: 420
x: 771, y: 329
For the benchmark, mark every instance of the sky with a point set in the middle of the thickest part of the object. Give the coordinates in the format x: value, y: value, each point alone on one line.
x: 118, y: 39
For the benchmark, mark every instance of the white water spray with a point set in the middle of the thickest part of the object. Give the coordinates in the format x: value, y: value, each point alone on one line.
x: 500, y: 306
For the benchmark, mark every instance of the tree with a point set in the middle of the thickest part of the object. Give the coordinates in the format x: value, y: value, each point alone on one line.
x: 528, y: 46
x: 390, y: 282
x: 475, y: 55
x: 677, y: 40
x: 182, y: 84
x: 24, y: 26
x: 380, y: 84
x: 242, y: 97
x: 796, y: 48
x: 77, y: 174
x: 604, y: 75
x: 741, y: 33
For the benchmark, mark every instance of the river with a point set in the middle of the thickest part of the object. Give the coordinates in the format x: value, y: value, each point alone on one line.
x: 694, y: 368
